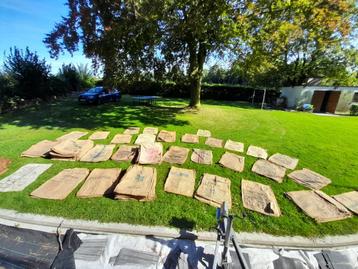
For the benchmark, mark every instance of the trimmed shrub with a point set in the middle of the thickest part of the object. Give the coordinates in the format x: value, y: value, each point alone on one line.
x: 354, y: 110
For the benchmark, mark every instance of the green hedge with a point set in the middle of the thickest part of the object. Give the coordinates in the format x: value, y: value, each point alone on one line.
x: 209, y: 91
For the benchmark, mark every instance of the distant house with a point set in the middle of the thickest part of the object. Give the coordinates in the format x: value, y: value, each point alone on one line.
x: 331, y: 99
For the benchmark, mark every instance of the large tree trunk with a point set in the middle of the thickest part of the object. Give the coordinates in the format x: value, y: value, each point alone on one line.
x: 196, y: 64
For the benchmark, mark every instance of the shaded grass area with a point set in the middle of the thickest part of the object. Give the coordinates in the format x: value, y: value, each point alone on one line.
x: 328, y: 145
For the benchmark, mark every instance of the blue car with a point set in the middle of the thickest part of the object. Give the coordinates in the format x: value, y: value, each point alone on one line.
x: 98, y: 95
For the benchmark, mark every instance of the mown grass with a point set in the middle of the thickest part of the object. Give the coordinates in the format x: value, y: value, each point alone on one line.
x: 328, y: 145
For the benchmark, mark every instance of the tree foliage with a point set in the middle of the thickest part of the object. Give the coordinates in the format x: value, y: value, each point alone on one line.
x: 292, y: 41
x: 135, y: 38
x: 28, y: 74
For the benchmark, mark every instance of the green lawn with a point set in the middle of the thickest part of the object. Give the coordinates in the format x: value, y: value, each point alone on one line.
x: 328, y: 145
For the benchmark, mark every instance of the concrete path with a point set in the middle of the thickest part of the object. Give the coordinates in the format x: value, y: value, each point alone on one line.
x: 50, y: 224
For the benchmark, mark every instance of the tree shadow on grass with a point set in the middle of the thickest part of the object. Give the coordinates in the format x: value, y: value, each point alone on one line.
x: 67, y: 113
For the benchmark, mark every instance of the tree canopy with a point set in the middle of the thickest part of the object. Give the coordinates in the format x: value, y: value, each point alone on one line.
x: 133, y: 37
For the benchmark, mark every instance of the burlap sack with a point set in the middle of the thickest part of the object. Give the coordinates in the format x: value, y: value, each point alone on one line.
x: 284, y: 161
x: 309, y: 179
x: 61, y: 185
x: 99, y: 135
x: 180, y: 181
x: 150, y: 153
x: 23, y: 177
x: 260, y: 198
x: 190, y: 138
x: 234, y: 146
x: 72, y: 135
x: 4, y: 165
x: 132, y: 130
x: 349, y: 200
x: 214, y: 142
x: 150, y: 130
x: 99, y: 153
x: 177, y: 155
x: 203, y: 133
x: 319, y: 205
x: 269, y: 169
x: 121, y: 139
x: 233, y: 161
x: 257, y: 152
x: 145, y: 139
x: 99, y: 183
x: 137, y: 184
x: 40, y: 149
x: 202, y: 156
x: 71, y: 149
x: 166, y: 136
x: 214, y: 190
x: 126, y: 153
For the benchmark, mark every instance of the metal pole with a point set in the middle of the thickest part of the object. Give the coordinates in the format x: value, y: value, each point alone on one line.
x: 253, y: 98
x: 263, y: 99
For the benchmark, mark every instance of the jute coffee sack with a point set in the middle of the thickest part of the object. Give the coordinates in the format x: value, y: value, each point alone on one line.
x: 349, y: 200
x: 23, y: 177
x: 71, y: 149
x: 99, y: 153
x: 257, y: 152
x: 150, y: 130
x: 99, y: 183
x: 4, y: 165
x: 132, y: 130
x: 260, y: 198
x: 214, y: 190
x: 121, y: 139
x: 203, y: 133
x: 145, y: 138
x: 284, y: 161
x: 269, y: 169
x: 233, y: 161
x: 319, y: 205
x: 150, y: 153
x: 180, y: 181
x: 202, y: 156
x: 99, y: 135
x: 190, y: 138
x: 177, y: 155
x: 309, y: 179
x: 40, y: 149
x: 61, y: 185
x: 234, y: 146
x: 126, y: 153
x: 138, y: 183
x: 72, y: 135
x: 214, y: 142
